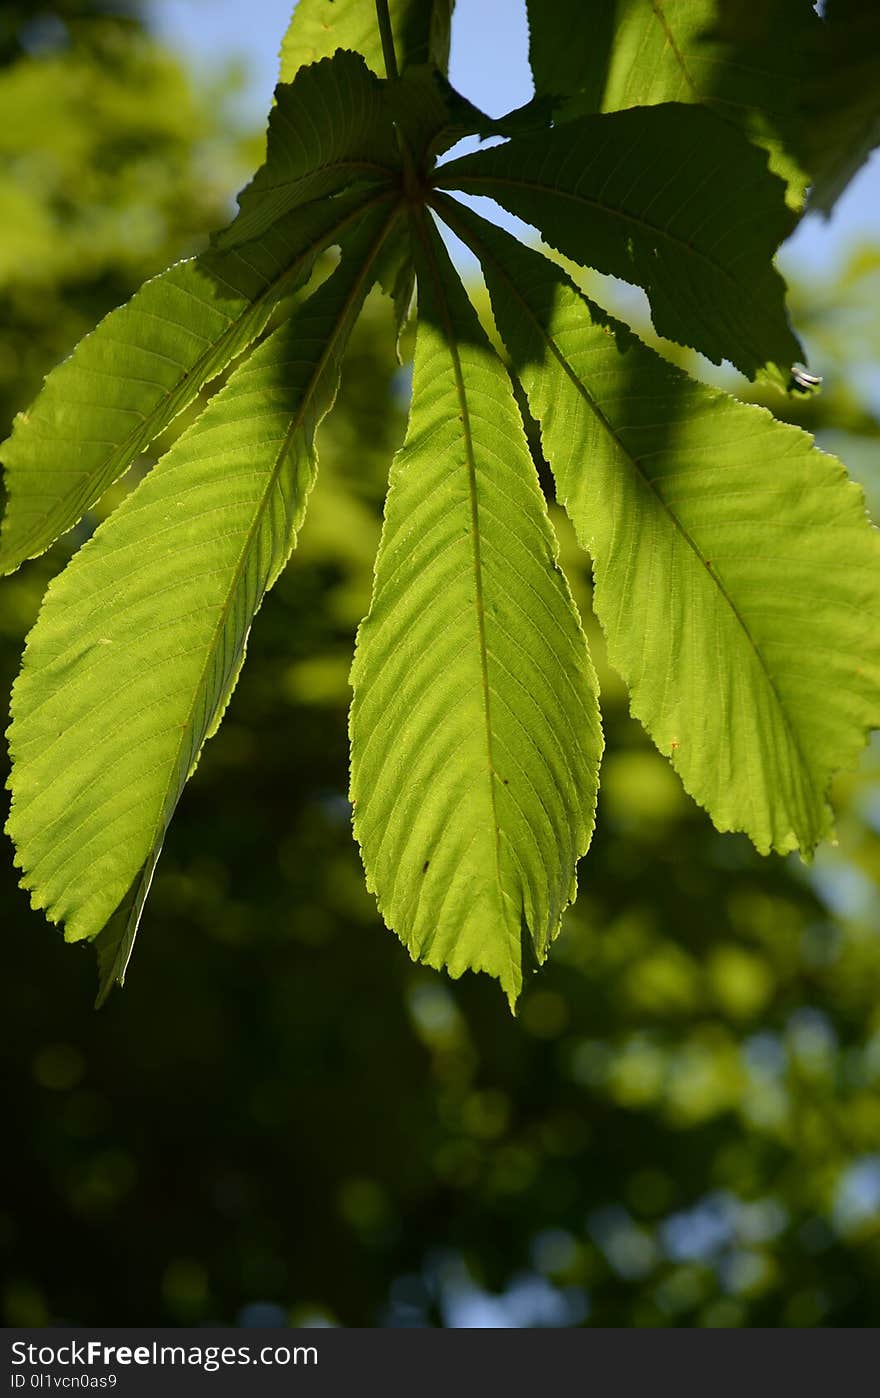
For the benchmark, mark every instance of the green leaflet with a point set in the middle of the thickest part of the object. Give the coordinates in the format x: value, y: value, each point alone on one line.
x: 115, y: 942
x: 145, y: 363
x: 749, y: 63
x: 328, y: 128
x: 319, y: 27
x: 432, y: 114
x: 435, y: 116
x: 139, y: 642
x: 736, y: 573
x: 568, y: 48
x: 671, y: 198
x: 396, y: 276
x: 475, y: 728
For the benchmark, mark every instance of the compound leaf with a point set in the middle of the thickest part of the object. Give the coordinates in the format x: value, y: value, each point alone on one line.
x: 671, y: 198
x: 140, y: 640
x: 144, y: 364
x: 475, y: 728
x: 737, y: 577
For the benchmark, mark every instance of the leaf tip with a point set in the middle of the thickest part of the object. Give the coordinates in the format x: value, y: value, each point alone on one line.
x: 106, y: 985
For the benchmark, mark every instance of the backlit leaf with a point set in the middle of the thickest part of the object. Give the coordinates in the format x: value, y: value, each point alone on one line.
x: 748, y: 62
x: 145, y: 363
x: 737, y: 577
x: 671, y: 198
x: 475, y: 727
x: 140, y: 640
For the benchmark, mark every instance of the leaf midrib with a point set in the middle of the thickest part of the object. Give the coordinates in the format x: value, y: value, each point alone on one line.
x: 420, y: 222
x: 295, y: 424
x: 344, y: 163
x: 535, y: 187
x: 466, y: 232
x: 660, y: 17
x: 253, y: 223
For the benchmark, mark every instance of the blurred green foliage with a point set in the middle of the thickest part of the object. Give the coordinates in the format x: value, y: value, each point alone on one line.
x: 281, y: 1118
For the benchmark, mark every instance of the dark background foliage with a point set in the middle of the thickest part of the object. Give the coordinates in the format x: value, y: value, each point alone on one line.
x: 281, y: 1117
